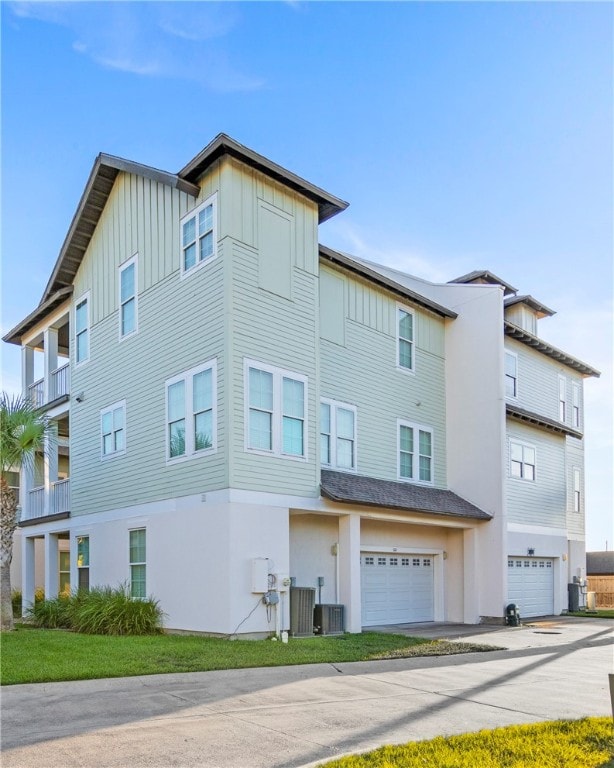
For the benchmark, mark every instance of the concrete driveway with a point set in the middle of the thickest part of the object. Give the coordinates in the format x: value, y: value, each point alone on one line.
x: 296, y: 716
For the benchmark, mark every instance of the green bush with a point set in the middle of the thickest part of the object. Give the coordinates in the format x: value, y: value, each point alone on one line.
x: 101, y: 611
x: 52, y: 614
x: 16, y: 601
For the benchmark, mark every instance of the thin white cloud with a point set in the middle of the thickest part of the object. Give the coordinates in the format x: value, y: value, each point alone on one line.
x: 174, y: 41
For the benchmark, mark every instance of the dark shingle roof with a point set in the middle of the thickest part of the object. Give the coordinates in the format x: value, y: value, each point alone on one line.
x: 357, y: 489
x: 600, y: 563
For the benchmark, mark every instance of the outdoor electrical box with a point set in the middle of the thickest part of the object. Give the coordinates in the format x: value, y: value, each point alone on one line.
x: 282, y: 582
x: 260, y: 575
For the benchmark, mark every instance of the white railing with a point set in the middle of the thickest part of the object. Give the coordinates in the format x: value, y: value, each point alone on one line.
x: 36, y: 392
x: 60, y: 381
x: 60, y: 496
x: 36, y: 503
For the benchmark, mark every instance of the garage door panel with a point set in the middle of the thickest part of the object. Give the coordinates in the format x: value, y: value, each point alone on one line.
x: 531, y: 585
x: 396, y: 589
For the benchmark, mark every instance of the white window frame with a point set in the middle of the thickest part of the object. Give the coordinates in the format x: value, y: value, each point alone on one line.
x: 188, y: 378
x: 86, y: 297
x: 120, y: 405
x: 137, y: 562
x: 334, y: 406
x: 575, y: 405
x: 562, y: 399
x: 576, y: 478
x: 514, y: 356
x: 523, y: 463
x: 402, y: 308
x: 133, y: 260
x: 193, y: 214
x: 416, y: 454
x: 279, y: 374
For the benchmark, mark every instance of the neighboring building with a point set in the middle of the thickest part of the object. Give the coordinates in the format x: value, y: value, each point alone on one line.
x: 600, y: 577
x: 238, y: 404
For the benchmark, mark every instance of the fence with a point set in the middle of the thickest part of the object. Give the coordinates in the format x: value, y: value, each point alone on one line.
x: 603, y: 587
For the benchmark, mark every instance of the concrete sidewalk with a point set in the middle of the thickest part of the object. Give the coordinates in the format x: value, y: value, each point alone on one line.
x: 295, y: 716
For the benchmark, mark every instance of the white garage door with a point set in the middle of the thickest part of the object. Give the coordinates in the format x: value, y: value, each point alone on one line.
x: 530, y: 584
x: 396, y: 589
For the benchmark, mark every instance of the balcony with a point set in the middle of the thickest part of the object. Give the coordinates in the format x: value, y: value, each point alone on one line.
x: 58, y: 501
x: 59, y: 386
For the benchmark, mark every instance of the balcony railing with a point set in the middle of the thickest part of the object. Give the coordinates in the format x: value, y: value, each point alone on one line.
x: 59, y: 500
x: 60, y: 381
x: 60, y: 496
x: 36, y: 392
x: 36, y: 503
x: 59, y: 386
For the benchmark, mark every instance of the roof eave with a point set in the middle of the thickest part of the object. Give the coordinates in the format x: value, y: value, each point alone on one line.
x: 328, y: 205
x: 547, y: 349
x: 542, y: 422
x: 336, y: 257
x: 15, y: 335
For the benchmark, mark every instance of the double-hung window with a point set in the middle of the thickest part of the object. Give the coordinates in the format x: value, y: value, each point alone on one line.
x: 511, y: 374
x: 82, y: 329
x: 138, y: 566
x: 562, y: 398
x: 405, y: 339
x: 199, y: 235
x: 522, y: 461
x: 575, y: 406
x: 276, y: 410
x: 576, y: 489
x: 128, y: 298
x: 337, y: 435
x: 191, y: 412
x: 113, y: 430
x: 415, y: 452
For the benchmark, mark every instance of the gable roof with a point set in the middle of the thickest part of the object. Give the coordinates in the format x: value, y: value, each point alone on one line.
x: 328, y: 205
x: 348, y: 488
x: 385, y: 277
x: 485, y: 276
x: 90, y: 208
x: 600, y: 563
x: 541, y: 309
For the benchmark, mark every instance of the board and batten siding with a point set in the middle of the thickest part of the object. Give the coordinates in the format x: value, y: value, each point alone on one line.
x: 271, y: 315
x: 180, y: 326
x: 542, y: 501
x: 538, y: 382
x: 363, y: 372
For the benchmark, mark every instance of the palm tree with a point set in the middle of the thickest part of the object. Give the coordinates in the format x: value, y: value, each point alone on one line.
x: 23, y: 430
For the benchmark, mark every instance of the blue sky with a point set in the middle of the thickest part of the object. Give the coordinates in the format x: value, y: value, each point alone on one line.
x: 464, y: 135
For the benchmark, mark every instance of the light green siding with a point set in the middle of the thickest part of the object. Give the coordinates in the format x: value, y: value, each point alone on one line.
x: 575, y: 460
x: 542, y: 501
x: 363, y: 372
x: 180, y: 326
x: 332, y: 306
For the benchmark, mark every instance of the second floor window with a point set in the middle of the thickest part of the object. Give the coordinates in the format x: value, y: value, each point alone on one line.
x: 576, y: 490
x: 522, y: 461
x: 415, y: 453
x: 405, y: 339
x: 276, y: 410
x: 511, y: 375
x: 113, y: 430
x: 127, y: 298
x: 82, y: 330
x: 191, y: 412
x: 198, y: 235
x: 337, y: 435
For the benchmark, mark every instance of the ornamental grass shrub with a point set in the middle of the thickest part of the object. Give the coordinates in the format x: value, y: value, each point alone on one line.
x: 101, y: 611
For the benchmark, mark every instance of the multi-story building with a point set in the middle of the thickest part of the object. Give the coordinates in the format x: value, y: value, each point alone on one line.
x: 235, y: 404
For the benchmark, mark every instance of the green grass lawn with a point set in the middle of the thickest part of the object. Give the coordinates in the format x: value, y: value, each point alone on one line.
x: 600, y: 613
x: 583, y: 743
x: 47, y: 655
